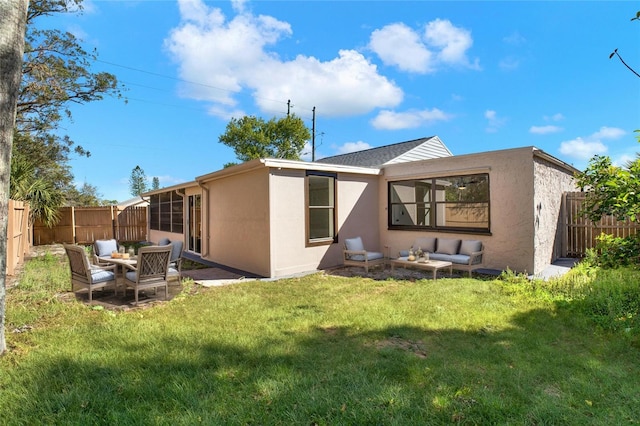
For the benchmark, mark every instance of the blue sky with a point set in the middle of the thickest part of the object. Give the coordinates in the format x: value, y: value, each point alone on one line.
x: 481, y: 75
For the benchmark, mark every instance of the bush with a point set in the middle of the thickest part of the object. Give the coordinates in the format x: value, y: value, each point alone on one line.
x: 613, y: 252
x: 609, y: 298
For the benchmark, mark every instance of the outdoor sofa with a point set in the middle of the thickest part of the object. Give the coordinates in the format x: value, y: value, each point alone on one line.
x: 464, y: 255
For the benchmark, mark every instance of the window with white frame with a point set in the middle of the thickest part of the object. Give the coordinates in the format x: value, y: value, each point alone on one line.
x: 321, y: 207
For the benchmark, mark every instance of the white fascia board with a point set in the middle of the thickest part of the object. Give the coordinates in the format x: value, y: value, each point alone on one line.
x: 285, y: 164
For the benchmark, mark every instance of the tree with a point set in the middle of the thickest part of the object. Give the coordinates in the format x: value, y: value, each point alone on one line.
x: 56, y: 74
x: 137, y: 181
x: 610, y: 189
x: 86, y: 196
x: 615, y: 52
x: 13, y: 19
x: 155, y: 183
x: 251, y: 137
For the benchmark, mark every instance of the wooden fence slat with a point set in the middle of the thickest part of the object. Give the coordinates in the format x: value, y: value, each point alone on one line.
x: 582, y: 234
x: 18, y: 242
x: 84, y: 225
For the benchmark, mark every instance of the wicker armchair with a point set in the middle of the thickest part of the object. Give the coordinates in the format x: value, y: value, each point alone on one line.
x: 89, y: 276
x: 151, y: 270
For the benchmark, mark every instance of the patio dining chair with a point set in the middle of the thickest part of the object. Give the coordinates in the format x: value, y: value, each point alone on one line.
x: 175, y: 264
x: 89, y: 276
x: 103, y: 249
x: 150, y: 271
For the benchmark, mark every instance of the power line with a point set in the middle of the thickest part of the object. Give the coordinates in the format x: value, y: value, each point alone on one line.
x: 181, y: 80
x: 288, y: 103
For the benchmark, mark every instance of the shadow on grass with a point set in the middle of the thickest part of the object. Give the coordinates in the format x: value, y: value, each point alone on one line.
x: 541, y: 370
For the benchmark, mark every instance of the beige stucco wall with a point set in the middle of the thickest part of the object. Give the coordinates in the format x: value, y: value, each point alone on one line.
x: 512, y: 241
x: 550, y: 182
x: 238, y: 221
x: 255, y: 219
x: 155, y: 236
x: 356, y: 207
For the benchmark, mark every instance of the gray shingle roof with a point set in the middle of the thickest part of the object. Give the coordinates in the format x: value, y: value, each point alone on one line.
x: 417, y: 149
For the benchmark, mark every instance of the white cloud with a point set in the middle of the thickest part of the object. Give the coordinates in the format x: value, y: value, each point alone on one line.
x: 586, y: 148
x: 353, y: 147
x: 441, y: 43
x: 453, y: 41
x: 554, y: 117
x: 399, y: 45
x: 235, y: 56
x: 347, y: 85
x: 545, y: 130
x: 515, y: 39
x: 509, y: 63
x: 582, y: 149
x: 307, y: 151
x: 512, y: 61
x: 494, y: 121
x: 623, y: 160
x: 391, y: 120
x: 608, y: 133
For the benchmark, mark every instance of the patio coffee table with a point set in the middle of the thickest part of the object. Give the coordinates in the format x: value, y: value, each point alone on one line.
x: 429, y: 265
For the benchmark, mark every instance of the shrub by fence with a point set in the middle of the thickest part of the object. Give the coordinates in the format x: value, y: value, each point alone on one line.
x: 581, y: 233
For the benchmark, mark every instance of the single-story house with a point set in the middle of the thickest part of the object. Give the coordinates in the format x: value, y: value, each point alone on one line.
x: 275, y: 218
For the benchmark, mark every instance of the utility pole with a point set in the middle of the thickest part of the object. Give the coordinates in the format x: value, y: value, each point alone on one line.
x: 313, y: 136
x: 288, y: 106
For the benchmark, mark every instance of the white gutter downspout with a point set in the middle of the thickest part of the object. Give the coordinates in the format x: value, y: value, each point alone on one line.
x: 183, y: 195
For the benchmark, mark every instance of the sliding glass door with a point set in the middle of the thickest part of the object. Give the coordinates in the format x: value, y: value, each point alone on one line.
x: 195, y: 224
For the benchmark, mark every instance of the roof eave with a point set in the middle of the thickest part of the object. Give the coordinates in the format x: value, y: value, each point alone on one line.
x: 284, y: 164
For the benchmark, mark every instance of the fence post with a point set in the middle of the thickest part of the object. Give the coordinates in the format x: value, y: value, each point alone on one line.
x: 114, y: 224
x: 565, y: 226
x: 10, y: 238
x: 73, y: 225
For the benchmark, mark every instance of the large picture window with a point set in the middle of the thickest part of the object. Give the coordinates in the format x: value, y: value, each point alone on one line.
x: 458, y: 203
x: 166, y: 212
x: 321, y: 208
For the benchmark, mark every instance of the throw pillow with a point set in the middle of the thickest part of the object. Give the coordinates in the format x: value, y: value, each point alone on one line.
x: 354, y: 243
x: 448, y: 246
x: 470, y: 246
x: 426, y: 244
x: 105, y: 247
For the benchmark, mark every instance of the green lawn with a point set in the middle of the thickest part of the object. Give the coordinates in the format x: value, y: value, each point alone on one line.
x: 322, y: 350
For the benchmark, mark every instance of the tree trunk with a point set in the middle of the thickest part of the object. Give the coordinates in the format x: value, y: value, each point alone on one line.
x: 13, y: 21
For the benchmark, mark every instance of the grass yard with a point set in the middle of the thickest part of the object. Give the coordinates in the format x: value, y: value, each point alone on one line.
x: 319, y: 350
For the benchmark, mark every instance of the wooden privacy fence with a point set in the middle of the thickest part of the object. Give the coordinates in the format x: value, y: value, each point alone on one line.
x: 84, y: 225
x: 581, y: 233
x: 18, y: 243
